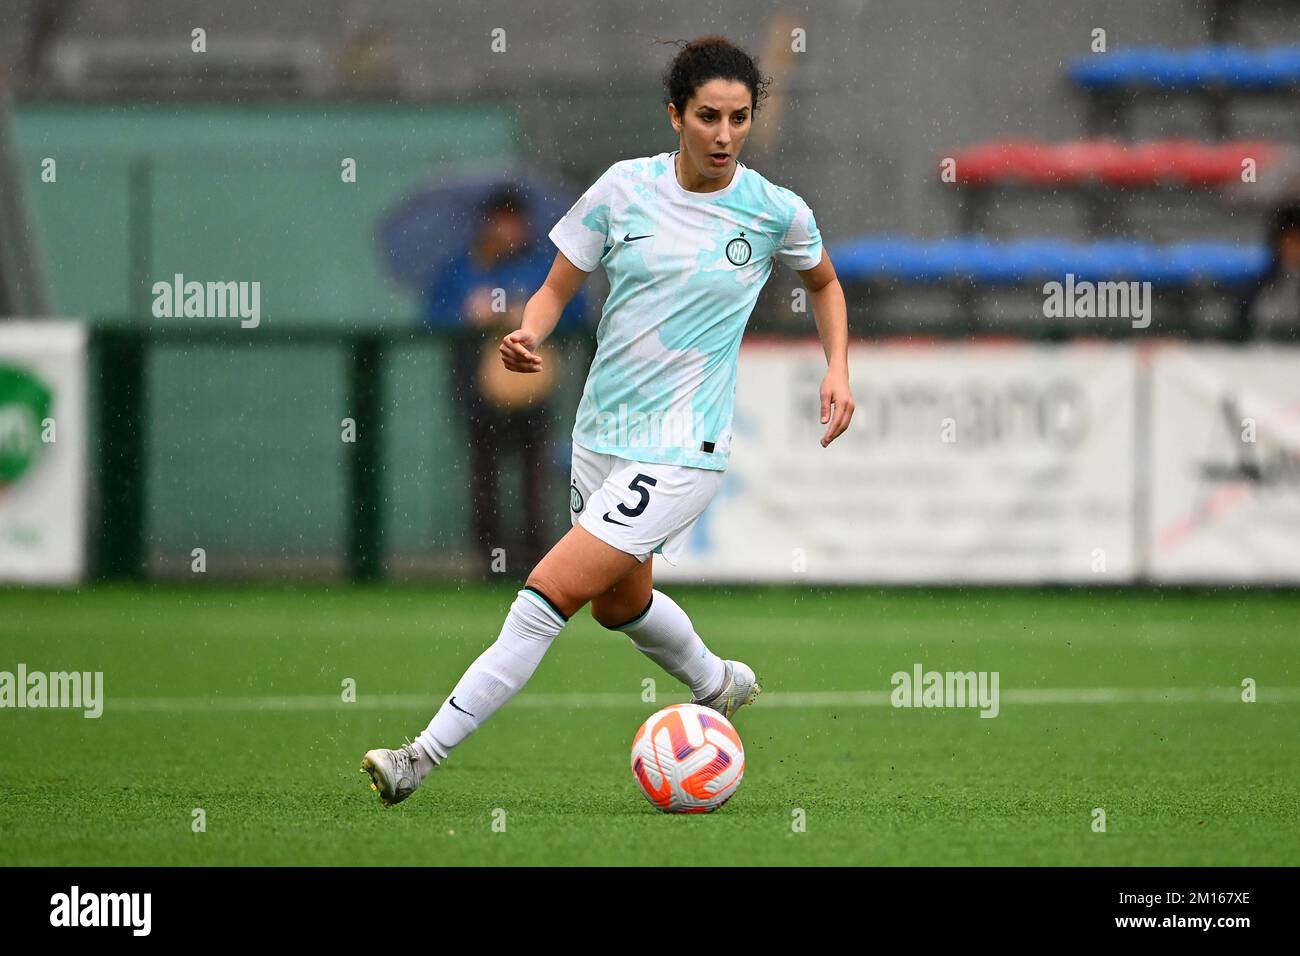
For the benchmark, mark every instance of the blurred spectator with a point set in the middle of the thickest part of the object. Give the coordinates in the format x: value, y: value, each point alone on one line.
x: 1274, y: 302
x: 482, y: 292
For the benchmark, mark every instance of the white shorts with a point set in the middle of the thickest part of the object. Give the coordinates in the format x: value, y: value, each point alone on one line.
x: 639, y: 507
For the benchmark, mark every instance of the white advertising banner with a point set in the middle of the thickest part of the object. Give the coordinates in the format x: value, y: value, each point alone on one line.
x: 1225, y: 464
x: 964, y: 463
x: 42, y: 451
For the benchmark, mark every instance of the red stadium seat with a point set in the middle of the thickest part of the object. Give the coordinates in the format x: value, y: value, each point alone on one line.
x: 1220, y: 165
x: 996, y: 162
x: 1078, y: 161
x: 1142, y: 165
x: 1176, y: 162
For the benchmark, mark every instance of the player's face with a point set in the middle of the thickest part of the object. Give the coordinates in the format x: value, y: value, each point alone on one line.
x: 714, y: 127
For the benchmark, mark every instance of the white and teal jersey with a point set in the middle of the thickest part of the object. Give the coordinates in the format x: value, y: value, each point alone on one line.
x: 685, y: 270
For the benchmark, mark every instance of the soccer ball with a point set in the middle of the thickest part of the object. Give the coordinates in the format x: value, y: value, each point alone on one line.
x: 688, y: 759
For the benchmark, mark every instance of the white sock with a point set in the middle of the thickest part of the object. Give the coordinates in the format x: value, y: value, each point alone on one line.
x: 497, y: 674
x: 665, y: 634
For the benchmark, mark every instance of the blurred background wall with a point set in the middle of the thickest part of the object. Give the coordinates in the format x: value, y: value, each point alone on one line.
x: 227, y: 165
x: 886, y: 87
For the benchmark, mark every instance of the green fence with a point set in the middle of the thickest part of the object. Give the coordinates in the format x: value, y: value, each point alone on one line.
x: 232, y: 441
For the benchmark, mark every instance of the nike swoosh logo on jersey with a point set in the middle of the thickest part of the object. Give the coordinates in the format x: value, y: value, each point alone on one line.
x: 461, y: 709
x: 614, y: 521
x: 631, y: 238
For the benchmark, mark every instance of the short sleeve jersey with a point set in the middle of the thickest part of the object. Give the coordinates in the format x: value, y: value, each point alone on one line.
x: 685, y: 270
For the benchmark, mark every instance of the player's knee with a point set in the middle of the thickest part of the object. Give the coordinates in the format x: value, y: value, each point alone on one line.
x: 615, y: 614
x: 560, y: 597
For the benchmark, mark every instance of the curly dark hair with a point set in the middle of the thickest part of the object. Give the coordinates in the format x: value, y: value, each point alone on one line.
x: 710, y: 58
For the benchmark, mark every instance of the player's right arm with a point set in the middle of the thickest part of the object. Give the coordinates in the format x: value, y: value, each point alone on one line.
x: 543, y: 311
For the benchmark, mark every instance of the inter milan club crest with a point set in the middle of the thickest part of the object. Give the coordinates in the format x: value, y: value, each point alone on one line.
x: 575, y: 499
x: 739, y: 251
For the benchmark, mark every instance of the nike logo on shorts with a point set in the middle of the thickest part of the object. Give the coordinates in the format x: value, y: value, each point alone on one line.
x: 631, y: 238
x: 614, y: 521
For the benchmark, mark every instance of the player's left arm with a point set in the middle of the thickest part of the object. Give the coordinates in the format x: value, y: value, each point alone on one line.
x: 832, y: 315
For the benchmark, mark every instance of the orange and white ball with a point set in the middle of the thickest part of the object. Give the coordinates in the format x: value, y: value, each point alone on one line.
x: 688, y: 759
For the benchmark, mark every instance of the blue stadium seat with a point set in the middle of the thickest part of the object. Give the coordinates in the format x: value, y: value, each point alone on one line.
x: 1198, y: 68
x: 909, y: 261
x: 1217, y: 262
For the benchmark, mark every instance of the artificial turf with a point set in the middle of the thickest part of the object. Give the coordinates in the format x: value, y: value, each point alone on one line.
x: 228, y: 699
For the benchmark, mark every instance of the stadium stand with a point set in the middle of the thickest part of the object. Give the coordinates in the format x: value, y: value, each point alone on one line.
x: 1108, y: 173
x: 1095, y: 171
x: 1216, y: 75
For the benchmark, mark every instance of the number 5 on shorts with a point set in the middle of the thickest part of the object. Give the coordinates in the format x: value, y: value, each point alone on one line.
x: 636, y: 485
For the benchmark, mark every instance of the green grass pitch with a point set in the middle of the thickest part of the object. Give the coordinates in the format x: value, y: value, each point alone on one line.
x: 229, y: 699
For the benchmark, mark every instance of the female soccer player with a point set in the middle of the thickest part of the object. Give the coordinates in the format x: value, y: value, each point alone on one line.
x: 687, y: 239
